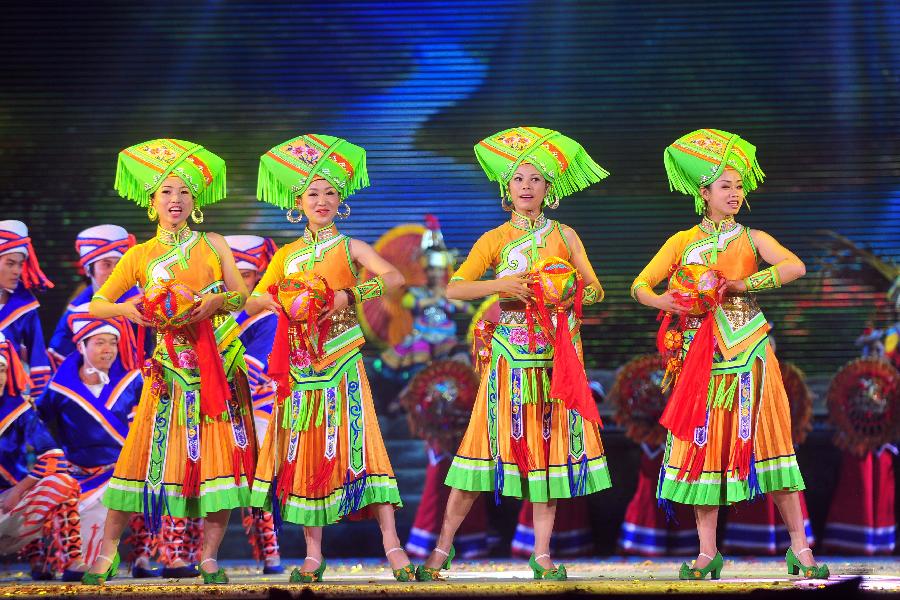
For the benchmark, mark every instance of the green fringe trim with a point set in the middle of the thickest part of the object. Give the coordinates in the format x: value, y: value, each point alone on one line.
x: 216, y: 191
x: 530, y: 385
x: 581, y: 172
x: 271, y: 190
x: 681, y: 181
x: 722, y: 398
x: 129, y: 187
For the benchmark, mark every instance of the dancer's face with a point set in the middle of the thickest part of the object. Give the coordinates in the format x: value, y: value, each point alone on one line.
x: 251, y: 277
x: 724, y: 196
x: 320, y: 203
x: 174, y: 202
x: 527, y: 189
x: 99, y: 270
x: 11, y: 269
x: 101, y: 350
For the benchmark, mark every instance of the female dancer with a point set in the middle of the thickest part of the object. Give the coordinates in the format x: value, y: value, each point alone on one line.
x: 738, y: 444
x: 323, y: 457
x: 191, y: 449
x: 521, y: 440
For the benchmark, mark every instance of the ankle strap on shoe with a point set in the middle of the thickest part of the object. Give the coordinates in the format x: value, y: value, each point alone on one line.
x: 397, y: 549
x: 439, y: 551
x: 704, y: 554
x: 318, y: 562
x: 206, y: 560
x: 106, y: 558
x: 804, y: 550
x: 540, y: 556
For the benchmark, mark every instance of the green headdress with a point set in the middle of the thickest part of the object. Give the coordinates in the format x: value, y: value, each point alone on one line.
x: 143, y: 167
x: 560, y: 159
x: 286, y: 170
x: 699, y: 158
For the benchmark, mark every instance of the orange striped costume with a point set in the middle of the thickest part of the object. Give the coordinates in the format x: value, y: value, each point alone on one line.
x: 745, y: 448
x: 323, y: 456
x: 565, y: 456
x: 150, y: 474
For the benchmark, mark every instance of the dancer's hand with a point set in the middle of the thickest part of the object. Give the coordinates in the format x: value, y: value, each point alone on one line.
x: 735, y: 285
x: 669, y: 302
x: 268, y: 302
x: 130, y: 311
x: 209, y: 305
x: 341, y: 301
x: 515, y: 286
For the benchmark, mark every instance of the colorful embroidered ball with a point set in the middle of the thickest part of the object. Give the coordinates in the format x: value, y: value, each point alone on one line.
x: 168, y: 304
x: 674, y: 340
x: 697, y: 286
x: 304, y: 296
x: 557, y: 279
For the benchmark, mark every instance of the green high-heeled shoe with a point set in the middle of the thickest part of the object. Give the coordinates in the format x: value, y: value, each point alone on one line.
x: 407, y: 573
x: 424, y: 573
x: 557, y: 574
x: 713, y: 569
x: 298, y: 576
x: 795, y: 567
x: 218, y: 577
x: 100, y: 578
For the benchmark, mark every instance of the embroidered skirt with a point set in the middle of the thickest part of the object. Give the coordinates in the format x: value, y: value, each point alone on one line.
x: 519, y: 442
x: 745, y: 448
x: 169, y: 443
x: 323, y: 457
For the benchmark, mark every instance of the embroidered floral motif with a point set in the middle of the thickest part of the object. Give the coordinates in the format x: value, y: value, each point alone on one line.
x: 300, y: 358
x: 519, y: 337
x: 304, y: 153
x: 188, y: 359
x: 717, y: 146
x: 515, y: 141
x: 163, y: 153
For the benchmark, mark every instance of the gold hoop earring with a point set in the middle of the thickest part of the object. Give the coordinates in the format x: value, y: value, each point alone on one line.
x: 552, y: 205
x: 197, y: 215
x: 506, y: 204
x: 292, y: 219
x: 346, y: 213
x: 151, y: 213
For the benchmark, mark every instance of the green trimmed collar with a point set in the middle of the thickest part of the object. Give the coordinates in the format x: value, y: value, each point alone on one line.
x: 323, y: 235
x: 709, y: 226
x: 522, y: 222
x: 170, y: 238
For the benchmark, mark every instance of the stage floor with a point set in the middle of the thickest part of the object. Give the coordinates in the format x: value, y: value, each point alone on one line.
x: 486, y: 578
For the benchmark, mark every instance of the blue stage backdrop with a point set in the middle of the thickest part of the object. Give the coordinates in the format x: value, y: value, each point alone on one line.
x: 814, y: 84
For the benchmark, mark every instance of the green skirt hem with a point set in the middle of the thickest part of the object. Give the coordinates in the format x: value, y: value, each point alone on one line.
x: 215, y: 495
x: 479, y: 475
x: 318, y: 512
x: 719, y: 489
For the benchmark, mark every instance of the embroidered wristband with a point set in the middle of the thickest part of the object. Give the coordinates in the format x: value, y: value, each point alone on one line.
x: 367, y: 290
x: 636, y: 287
x: 767, y: 279
x: 591, y: 295
x: 233, y: 301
